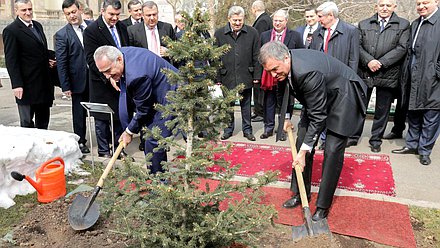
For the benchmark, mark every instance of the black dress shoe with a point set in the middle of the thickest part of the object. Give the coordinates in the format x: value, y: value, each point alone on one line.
x: 283, y: 136
x: 257, y: 119
x: 293, y: 202
x: 104, y: 155
x: 226, y: 136
x: 266, y: 135
x: 141, y: 146
x: 405, y: 150
x: 124, y: 156
x: 249, y: 136
x: 351, y: 142
x: 392, y: 136
x: 84, y: 148
x: 320, y: 214
x: 253, y: 115
x: 425, y: 160
x: 375, y: 148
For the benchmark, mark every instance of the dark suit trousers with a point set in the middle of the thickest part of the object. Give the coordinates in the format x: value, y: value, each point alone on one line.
x: 41, y: 112
x: 245, y: 104
x: 270, y: 104
x: 384, y: 98
x: 258, y: 99
x: 423, y: 130
x: 79, y: 115
x: 150, y: 143
x: 104, y: 135
x: 331, y: 167
x: 400, y: 114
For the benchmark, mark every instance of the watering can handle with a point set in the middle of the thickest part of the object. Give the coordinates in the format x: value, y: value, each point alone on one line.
x: 59, y: 159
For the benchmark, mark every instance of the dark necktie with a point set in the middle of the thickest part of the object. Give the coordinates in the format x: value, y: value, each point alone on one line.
x: 382, y: 24
x: 114, y: 37
x: 123, y: 110
x: 35, y: 32
x: 329, y: 34
x: 309, y: 37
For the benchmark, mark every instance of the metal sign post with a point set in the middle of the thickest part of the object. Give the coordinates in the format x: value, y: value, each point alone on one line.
x: 98, y: 108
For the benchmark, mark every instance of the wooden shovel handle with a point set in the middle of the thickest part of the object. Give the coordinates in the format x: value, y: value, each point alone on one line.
x: 110, y: 164
x: 299, y: 177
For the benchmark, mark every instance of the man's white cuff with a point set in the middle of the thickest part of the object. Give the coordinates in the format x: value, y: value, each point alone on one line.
x: 306, y: 147
x: 128, y: 131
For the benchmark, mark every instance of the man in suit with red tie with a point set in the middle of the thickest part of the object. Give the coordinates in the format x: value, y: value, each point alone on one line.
x: 28, y: 63
x: 338, y: 39
x: 273, y: 92
x: 106, y: 30
x: 72, y: 66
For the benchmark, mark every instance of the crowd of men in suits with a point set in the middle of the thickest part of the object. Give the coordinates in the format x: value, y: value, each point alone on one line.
x: 385, y: 52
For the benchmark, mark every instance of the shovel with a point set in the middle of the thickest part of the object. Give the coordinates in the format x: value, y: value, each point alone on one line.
x: 84, y: 212
x: 310, y: 227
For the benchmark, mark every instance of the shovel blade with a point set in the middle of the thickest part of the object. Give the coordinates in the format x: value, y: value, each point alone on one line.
x: 77, y: 219
x: 310, y: 227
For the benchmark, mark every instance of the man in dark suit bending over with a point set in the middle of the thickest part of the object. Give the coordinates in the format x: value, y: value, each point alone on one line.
x: 333, y: 97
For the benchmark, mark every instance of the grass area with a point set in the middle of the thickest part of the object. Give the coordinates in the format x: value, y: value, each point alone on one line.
x: 426, y: 225
x: 11, y: 217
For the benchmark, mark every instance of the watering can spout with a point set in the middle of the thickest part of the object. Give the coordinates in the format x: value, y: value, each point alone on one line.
x: 19, y: 177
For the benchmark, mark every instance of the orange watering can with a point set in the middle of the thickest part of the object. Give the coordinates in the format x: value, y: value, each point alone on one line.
x: 51, y: 182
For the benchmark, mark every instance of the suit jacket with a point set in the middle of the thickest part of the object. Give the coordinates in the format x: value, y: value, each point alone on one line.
x: 27, y: 62
x: 240, y: 63
x: 302, y: 29
x: 343, y: 44
x: 292, y: 39
x: 263, y: 23
x: 333, y: 95
x: 146, y: 85
x: 71, y: 60
x: 138, y: 38
x: 95, y: 35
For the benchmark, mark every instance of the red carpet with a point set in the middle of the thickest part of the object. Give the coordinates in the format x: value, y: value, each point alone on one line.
x: 382, y: 222
x: 361, y: 172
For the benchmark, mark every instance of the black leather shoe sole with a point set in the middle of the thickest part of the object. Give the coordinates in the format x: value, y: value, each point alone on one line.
x: 425, y: 159
x: 249, y: 136
x: 293, y: 202
x: 375, y: 149
x: 257, y: 119
x: 226, y: 136
x: 405, y: 150
x: 392, y: 136
x: 320, y: 214
x: 266, y: 135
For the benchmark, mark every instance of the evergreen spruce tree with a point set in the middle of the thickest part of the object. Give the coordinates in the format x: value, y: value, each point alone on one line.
x: 190, y: 205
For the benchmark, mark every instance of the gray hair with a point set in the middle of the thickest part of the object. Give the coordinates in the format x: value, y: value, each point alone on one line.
x: 149, y: 5
x: 111, y: 53
x: 327, y: 8
x: 235, y: 10
x: 272, y: 50
x: 258, y: 5
x: 116, y: 4
x: 281, y: 12
x: 20, y: 1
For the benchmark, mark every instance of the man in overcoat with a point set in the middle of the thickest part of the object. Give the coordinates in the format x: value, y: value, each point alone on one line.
x: 240, y: 65
x: 333, y: 96
x: 139, y: 71
x: 106, y: 30
x: 28, y: 62
x: 262, y: 23
x: 421, y: 79
x: 384, y: 42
